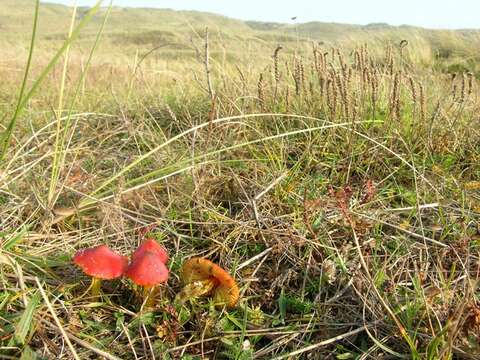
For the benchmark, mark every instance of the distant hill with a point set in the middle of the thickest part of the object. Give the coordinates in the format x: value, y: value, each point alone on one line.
x: 137, y: 28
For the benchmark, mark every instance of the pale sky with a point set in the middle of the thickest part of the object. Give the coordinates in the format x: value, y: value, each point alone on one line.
x: 427, y: 13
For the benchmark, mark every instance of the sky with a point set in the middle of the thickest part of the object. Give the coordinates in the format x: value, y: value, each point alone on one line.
x: 446, y: 14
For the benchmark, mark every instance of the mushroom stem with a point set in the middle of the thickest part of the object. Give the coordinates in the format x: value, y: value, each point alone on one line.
x: 149, y: 296
x: 95, y: 286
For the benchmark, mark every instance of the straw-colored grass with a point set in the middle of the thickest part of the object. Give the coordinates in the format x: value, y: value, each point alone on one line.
x: 339, y: 185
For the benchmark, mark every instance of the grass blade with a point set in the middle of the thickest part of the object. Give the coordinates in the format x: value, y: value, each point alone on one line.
x: 5, y: 137
x: 23, y: 100
x: 57, y: 155
x: 61, y: 150
x: 25, y: 323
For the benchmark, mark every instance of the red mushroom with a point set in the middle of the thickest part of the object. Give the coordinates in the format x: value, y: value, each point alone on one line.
x: 100, y: 263
x: 147, y: 270
x: 151, y: 246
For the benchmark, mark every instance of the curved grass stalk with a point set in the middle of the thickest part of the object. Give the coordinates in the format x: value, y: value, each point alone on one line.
x: 103, y: 195
x: 91, y: 200
x: 345, y: 126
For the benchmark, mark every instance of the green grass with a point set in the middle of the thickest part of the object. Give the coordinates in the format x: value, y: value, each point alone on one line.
x: 345, y: 202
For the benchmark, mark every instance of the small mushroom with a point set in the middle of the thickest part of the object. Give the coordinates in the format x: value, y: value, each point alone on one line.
x: 147, y: 270
x: 203, y: 277
x: 100, y: 263
x: 151, y: 246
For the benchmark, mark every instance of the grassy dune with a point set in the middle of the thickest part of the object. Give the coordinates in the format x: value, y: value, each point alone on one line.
x: 336, y: 178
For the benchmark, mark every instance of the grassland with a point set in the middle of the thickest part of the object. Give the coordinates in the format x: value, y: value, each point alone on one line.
x: 336, y: 177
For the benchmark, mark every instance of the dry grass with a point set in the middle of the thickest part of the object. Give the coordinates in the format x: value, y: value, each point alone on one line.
x: 341, y: 190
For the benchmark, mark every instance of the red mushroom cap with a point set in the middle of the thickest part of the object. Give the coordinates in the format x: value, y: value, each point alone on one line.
x: 152, y: 246
x: 101, y: 262
x: 147, y: 269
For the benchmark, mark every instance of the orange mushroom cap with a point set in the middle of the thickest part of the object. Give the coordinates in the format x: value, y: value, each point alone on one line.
x: 152, y: 246
x: 100, y: 262
x: 225, y: 289
x: 147, y: 269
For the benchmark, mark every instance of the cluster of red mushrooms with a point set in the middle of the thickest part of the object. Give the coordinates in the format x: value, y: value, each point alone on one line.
x: 147, y: 268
